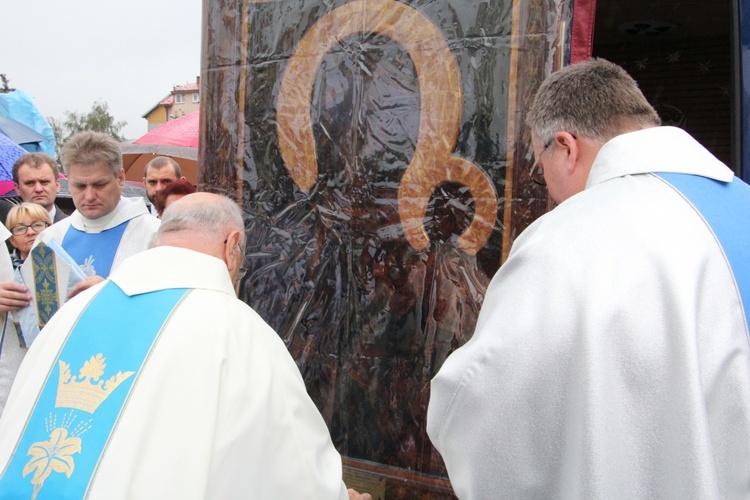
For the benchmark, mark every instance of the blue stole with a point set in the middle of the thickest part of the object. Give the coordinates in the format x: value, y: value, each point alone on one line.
x: 94, y: 249
x: 45, y: 285
x: 75, y: 414
x: 725, y: 206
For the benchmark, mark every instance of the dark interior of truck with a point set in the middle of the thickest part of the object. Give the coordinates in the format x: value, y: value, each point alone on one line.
x: 682, y: 54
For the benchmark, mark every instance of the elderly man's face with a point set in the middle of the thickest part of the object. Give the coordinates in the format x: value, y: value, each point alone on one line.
x: 157, y: 179
x: 38, y: 185
x: 95, y: 190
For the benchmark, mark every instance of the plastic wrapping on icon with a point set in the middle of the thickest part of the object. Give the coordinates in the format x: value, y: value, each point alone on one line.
x: 372, y: 145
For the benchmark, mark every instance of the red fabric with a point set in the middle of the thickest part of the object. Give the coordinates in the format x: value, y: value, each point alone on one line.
x: 582, y: 32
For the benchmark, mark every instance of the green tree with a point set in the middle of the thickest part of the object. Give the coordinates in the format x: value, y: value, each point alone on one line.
x: 97, y: 120
x: 59, y: 132
x: 4, y: 88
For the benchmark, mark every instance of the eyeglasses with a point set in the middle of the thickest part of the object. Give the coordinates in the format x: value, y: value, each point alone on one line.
x: 37, y: 226
x: 537, y: 172
x: 243, y: 268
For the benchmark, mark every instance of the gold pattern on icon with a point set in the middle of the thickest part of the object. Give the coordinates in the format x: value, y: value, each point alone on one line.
x: 440, y: 113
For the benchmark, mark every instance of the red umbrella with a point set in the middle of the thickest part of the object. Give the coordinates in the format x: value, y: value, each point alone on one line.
x: 180, y: 132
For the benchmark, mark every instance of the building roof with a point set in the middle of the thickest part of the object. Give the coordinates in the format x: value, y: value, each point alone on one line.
x: 168, y: 101
x: 187, y: 88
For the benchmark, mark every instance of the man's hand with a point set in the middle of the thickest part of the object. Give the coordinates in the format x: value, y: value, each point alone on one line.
x: 13, y: 296
x: 84, y: 285
x: 355, y: 495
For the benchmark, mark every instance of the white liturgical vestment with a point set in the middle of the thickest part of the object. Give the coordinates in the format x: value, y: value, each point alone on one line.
x: 100, y: 245
x: 610, y: 358
x: 11, y: 349
x: 201, y: 399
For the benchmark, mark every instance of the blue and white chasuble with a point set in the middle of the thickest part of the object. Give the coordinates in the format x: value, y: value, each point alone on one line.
x: 98, y: 246
x: 68, y: 430
x: 611, y: 355
x: 214, y: 407
x: 725, y: 206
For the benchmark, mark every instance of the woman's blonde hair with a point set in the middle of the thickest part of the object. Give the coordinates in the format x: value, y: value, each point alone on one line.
x: 33, y: 210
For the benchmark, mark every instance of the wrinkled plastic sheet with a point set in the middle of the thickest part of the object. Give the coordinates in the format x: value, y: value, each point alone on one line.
x: 378, y: 151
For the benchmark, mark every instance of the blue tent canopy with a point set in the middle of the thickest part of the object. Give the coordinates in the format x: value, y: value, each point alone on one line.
x: 19, y: 106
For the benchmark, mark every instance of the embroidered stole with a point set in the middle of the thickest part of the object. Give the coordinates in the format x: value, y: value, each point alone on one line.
x: 725, y: 206
x: 85, y: 393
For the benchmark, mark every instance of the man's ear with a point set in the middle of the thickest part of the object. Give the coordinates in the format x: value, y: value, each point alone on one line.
x: 230, y: 250
x: 568, y: 142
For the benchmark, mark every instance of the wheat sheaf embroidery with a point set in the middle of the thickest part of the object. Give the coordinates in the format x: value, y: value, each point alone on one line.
x: 84, y: 392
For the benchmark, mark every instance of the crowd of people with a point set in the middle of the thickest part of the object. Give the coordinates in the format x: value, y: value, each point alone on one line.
x: 611, y: 357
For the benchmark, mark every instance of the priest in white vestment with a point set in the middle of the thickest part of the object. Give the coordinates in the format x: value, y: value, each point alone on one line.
x: 160, y: 383
x: 105, y: 228
x: 610, y: 358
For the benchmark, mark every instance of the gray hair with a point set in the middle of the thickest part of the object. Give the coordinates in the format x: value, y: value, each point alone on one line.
x: 595, y: 99
x: 91, y: 148
x: 210, y: 220
x: 162, y: 161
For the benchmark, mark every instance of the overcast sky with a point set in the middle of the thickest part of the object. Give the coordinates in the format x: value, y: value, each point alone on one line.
x: 69, y: 53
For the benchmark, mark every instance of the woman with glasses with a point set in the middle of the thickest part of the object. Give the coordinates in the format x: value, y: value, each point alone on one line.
x: 25, y: 222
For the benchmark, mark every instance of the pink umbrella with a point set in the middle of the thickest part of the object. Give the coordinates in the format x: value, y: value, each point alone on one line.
x: 177, y: 139
x: 180, y: 132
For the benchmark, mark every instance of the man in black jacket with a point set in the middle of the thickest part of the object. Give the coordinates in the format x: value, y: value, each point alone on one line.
x: 36, y: 180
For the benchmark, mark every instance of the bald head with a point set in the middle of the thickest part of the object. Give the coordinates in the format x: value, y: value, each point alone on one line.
x: 207, y: 223
x: 203, y: 217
